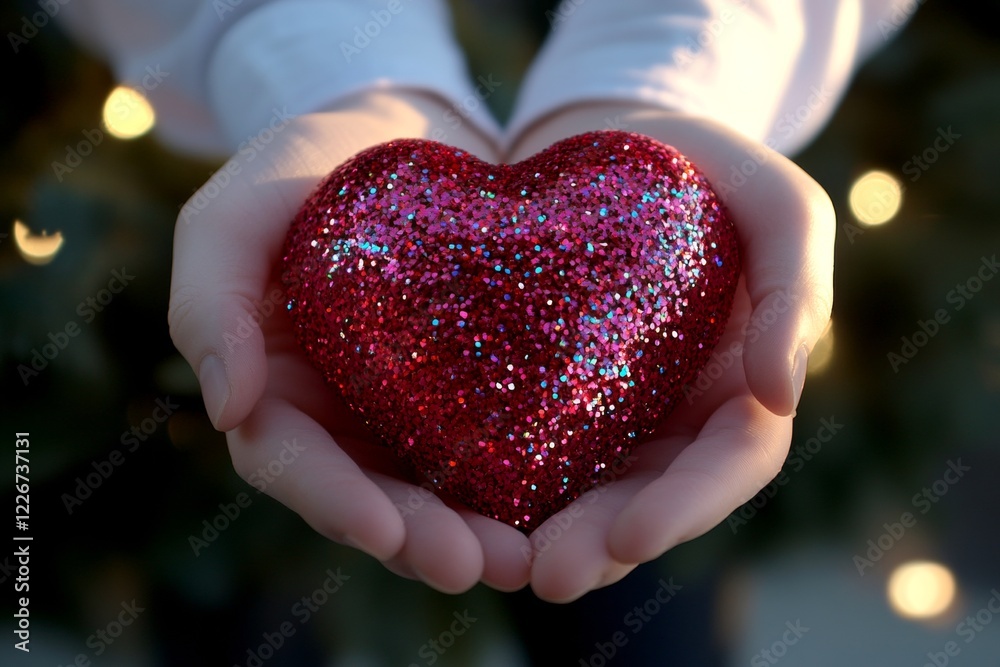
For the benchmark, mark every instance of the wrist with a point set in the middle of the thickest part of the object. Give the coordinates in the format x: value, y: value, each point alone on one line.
x: 598, y: 115
x: 378, y: 115
x: 715, y: 149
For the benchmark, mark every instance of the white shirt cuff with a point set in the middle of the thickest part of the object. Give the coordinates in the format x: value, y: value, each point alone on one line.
x: 773, y: 71
x: 293, y: 57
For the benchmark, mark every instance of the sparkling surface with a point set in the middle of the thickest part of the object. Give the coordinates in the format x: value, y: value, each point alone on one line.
x: 512, y: 330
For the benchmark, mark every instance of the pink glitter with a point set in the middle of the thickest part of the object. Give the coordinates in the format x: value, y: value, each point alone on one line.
x: 512, y: 330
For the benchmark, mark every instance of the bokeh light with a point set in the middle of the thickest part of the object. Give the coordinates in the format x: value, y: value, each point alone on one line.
x: 39, y: 249
x: 127, y: 114
x: 921, y: 589
x: 875, y: 198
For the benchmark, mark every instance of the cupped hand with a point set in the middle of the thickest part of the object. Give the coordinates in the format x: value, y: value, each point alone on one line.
x: 714, y: 453
x: 729, y: 436
x: 288, y: 433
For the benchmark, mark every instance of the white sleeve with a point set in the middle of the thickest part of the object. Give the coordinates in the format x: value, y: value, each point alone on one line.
x: 219, y: 72
x: 773, y: 70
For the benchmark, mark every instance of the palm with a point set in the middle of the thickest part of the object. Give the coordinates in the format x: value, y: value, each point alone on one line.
x: 345, y: 484
x: 717, y: 451
x: 710, y: 455
x: 706, y: 459
x: 452, y: 547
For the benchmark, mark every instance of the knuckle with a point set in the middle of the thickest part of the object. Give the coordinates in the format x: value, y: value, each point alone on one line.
x: 180, y: 310
x: 819, y: 202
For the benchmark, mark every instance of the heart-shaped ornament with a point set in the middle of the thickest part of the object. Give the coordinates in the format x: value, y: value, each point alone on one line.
x: 512, y: 330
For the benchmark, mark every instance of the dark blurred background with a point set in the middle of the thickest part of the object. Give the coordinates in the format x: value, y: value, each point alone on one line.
x: 823, y: 568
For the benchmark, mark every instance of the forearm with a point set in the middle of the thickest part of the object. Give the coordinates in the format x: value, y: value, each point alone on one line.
x: 772, y: 70
x: 715, y: 148
x: 611, y: 115
x: 226, y: 68
x: 376, y: 116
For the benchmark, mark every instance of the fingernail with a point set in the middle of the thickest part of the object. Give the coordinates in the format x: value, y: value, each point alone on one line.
x: 799, y: 366
x: 214, y: 386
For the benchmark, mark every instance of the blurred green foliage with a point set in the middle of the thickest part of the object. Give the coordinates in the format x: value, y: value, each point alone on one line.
x: 130, y: 538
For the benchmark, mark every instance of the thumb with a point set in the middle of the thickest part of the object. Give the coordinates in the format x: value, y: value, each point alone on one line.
x: 230, y: 233
x: 789, y: 227
x: 224, y: 250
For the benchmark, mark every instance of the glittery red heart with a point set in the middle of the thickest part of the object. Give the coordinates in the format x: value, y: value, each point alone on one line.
x: 511, y: 330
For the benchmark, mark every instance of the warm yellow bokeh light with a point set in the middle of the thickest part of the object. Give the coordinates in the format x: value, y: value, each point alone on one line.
x: 36, y: 249
x: 875, y: 198
x: 127, y: 113
x: 921, y: 589
x: 822, y: 354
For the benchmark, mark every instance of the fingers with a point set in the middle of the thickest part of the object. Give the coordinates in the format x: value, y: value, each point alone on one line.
x: 439, y: 548
x: 786, y: 226
x: 283, y: 452
x: 784, y: 220
x: 453, y: 549
x: 226, y: 243
x: 229, y: 236
x: 223, y: 258
x: 740, y: 449
x: 571, y: 554
x: 678, y: 487
x: 506, y: 552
